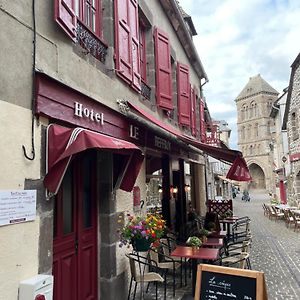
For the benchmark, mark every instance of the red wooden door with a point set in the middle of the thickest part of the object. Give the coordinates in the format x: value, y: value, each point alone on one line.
x: 75, y: 233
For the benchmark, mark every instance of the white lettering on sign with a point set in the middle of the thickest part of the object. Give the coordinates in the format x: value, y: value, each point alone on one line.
x: 84, y: 112
x: 134, y: 132
x: 162, y: 143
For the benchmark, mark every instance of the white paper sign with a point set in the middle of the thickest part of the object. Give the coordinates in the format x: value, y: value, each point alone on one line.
x: 17, y: 206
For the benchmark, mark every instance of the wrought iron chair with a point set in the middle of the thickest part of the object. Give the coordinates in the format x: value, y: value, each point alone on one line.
x: 165, y: 263
x: 143, y: 270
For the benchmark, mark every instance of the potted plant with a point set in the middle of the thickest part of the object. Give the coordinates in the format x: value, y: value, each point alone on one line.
x: 194, y: 242
x: 203, y: 234
x: 141, y: 231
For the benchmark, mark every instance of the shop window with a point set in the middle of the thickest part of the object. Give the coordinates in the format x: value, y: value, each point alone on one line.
x: 163, y: 70
x: 127, y: 42
x: 183, y: 94
x: 82, y: 21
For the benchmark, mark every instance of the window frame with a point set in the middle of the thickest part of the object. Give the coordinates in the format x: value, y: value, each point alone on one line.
x: 81, y: 15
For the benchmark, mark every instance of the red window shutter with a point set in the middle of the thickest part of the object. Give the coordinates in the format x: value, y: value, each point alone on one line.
x: 123, y: 40
x: 65, y: 16
x: 163, y: 70
x: 202, y: 123
x: 193, y: 111
x: 183, y: 93
x: 134, y: 30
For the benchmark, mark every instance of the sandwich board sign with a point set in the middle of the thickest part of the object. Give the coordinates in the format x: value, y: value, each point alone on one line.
x: 222, y: 283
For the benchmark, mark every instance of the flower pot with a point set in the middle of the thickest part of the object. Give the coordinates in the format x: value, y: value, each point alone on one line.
x: 141, y: 244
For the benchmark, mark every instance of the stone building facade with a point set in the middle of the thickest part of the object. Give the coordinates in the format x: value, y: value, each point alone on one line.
x: 291, y: 124
x: 254, y: 104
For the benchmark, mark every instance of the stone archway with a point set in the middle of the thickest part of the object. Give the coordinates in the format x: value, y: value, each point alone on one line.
x: 258, y: 177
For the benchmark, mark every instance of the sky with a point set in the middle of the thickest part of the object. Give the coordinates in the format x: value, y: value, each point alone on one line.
x: 238, y: 39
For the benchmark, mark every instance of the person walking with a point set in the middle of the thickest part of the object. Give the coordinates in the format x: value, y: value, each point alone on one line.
x: 246, y: 196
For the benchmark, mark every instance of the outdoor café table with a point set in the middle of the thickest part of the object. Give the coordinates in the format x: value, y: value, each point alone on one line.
x: 285, y: 206
x: 218, y: 234
x: 213, y: 243
x: 206, y: 254
x: 226, y: 224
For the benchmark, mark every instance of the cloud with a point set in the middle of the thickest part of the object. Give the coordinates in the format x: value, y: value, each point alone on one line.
x: 240, y: 39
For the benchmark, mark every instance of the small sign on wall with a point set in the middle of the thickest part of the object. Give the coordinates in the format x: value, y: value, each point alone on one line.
x: 17, y: 206
x: 136, y: 197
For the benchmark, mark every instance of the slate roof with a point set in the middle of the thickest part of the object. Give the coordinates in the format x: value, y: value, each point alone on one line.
x: 255, y: 86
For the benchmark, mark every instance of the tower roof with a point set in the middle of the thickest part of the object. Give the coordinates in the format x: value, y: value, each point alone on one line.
x: 255, y: 86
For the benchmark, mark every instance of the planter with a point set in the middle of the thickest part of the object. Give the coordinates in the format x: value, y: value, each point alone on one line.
x: 141, y: 244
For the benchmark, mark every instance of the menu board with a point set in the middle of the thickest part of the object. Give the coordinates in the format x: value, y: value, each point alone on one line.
x: 222, y: 283
x: 17, y: 206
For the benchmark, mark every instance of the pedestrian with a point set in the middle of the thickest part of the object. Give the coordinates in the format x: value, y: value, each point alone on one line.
x: 245, y: 196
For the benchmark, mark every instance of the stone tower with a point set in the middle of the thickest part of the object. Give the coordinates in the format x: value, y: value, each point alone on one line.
x: 254, y: 126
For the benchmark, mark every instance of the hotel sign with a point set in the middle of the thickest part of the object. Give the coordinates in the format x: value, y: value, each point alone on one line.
x: 84, y: 112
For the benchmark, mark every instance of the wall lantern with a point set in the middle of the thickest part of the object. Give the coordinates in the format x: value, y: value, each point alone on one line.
x: 187, y: 188
x: 160, y: 190
x: 173, y: 189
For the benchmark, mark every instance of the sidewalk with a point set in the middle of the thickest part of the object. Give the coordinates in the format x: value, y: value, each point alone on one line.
x: 275, y: 251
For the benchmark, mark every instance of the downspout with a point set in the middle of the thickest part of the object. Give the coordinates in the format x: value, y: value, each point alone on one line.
x: 33, y: 87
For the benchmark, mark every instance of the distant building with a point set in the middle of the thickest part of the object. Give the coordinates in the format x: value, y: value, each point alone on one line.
x: 291, y: 124
x: 254, y: 104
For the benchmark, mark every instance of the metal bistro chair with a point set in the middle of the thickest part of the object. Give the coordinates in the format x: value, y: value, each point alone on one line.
x: 296, y: 221
x: 277, y: 213
x: 233, y: 252
x: 143, y: 270
x: 165, y: 263
x: 167, y: 246
x: 288, y: 218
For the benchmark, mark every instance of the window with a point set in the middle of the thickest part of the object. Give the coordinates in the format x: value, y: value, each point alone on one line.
x: 163, y: 70
x: 89, y: 13
x: 82, y: 21
x: 127, y: 42
x: 183, y: 94
x: 143, y: 53
x: 256, y: 130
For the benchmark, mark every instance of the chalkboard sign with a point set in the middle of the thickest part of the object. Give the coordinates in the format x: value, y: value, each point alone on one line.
x: 222, y: 283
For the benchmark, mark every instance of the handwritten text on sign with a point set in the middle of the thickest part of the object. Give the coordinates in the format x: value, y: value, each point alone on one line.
x: 224, y: 286
x: 17, y: 206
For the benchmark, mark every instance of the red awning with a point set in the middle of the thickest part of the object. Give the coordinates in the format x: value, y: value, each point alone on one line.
x: 64, y: 142
x: 239, y: 170
x: 226, y: 155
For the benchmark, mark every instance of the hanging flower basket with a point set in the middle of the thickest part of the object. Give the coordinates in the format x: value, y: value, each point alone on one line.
x: 141, y: 244
x: 142, y: 231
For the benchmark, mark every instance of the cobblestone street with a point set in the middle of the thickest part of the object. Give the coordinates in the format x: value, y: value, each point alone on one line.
x: 275, y: 251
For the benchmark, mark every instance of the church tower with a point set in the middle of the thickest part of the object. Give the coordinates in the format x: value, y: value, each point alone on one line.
x: 254, y: 124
